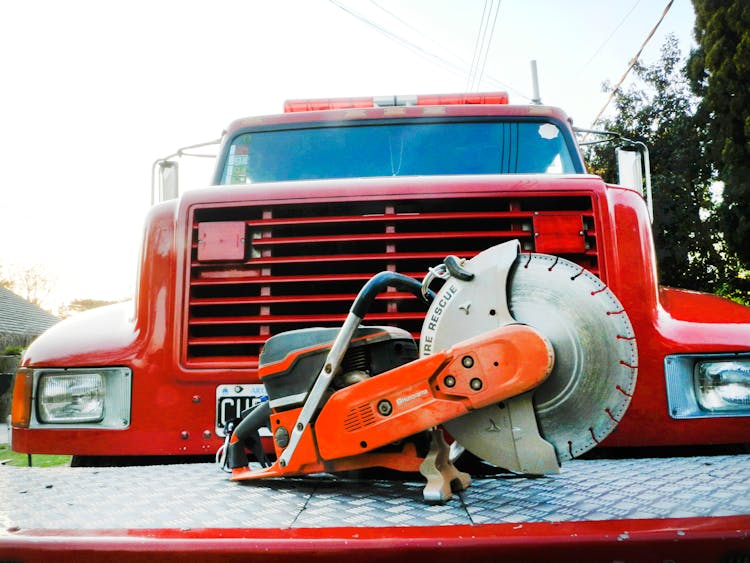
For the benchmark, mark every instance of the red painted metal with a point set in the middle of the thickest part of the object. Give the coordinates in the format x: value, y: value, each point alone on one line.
x: 688, y: 540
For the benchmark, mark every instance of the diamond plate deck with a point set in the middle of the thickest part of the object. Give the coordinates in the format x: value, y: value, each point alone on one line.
x: 200, y: 496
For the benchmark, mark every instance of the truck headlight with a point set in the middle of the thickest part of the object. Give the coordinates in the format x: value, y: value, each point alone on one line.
x: 80, y: 397
x: 708, y: 385
x: 723, y: 386
x: 71, y: 398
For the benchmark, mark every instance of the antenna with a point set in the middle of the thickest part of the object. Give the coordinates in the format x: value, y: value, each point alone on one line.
x: 535, y: 84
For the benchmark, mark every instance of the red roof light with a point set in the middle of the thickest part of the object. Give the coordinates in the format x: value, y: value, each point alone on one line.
x: 463, y: 99
x: 291, y: 106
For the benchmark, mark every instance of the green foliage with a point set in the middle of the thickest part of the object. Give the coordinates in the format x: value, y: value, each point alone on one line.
x: 741, y: 296
x: 13, y: 351
x: 11, y: 458
x: 737, y: 285
x: 660, y: 111
x: 720, y: 72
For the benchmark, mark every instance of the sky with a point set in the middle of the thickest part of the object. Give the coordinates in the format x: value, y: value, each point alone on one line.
x: 92, y: 93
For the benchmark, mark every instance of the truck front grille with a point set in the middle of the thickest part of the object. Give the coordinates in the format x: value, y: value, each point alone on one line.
x: 256, y: 271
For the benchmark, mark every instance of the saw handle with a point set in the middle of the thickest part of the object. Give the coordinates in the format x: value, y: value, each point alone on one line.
x: 454, y: 266
x: 339, y: 346
x: 380, y: 282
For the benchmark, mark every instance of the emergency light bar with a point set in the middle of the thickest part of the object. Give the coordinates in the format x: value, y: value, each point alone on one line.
x: 291, y: 106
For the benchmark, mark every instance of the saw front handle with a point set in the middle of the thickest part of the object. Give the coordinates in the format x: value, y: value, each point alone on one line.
x: 380, y: 282
x: 359, y: 309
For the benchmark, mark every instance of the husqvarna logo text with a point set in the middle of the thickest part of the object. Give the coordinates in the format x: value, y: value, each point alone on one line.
x: 402, y: 400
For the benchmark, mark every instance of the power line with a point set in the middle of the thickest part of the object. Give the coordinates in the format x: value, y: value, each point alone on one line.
x: 477, y: 46
x: 610, y: 36
x: 414, y: 29
x: 416, y: 49
x: 489, y: 42
x: 631, y: 65
x: 482, y: 45
x: 456, y: 68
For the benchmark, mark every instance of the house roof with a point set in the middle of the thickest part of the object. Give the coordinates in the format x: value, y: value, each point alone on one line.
x: 18, y: 316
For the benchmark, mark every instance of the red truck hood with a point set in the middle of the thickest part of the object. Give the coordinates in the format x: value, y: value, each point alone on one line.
x: 396, y: 187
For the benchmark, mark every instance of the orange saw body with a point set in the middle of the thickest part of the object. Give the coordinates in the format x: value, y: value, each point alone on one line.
x: 410, y: 399
x: 535, y: 335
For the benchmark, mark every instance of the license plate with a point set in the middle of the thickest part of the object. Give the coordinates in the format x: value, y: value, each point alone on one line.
x: 232, y: 399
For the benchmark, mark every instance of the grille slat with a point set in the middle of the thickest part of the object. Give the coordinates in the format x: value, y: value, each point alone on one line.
x: 323, y: 258
x: 226, y: 277
x: 392, y: 217
x: 346, y: 298
x: 304, y: 263
x: 304, y: 319
x: 268, y: 242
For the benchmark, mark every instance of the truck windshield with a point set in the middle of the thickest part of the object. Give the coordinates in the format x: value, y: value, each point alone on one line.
x: 398, y: 149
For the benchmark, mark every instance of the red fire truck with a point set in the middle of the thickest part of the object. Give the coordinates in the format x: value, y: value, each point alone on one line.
x: 305, y: 207
x: 308, y: 205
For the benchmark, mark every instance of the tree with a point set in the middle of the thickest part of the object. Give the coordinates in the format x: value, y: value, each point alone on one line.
x: 660, y: 111
x: 720, y: 72
x: 32, y: 283
x: 80, y: 305
x: 35, y: 284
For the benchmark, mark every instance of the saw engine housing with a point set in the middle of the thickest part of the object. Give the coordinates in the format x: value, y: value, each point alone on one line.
x: 291, y: 361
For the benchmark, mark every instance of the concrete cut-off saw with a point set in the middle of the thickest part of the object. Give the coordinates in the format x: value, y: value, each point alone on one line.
x: 526, y: 360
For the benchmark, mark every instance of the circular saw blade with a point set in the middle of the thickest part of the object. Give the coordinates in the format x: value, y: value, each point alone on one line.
x: 596, y: 357
x: 595, y: 368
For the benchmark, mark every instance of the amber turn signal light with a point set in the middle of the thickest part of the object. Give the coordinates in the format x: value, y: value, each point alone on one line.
x: 21, y: 410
